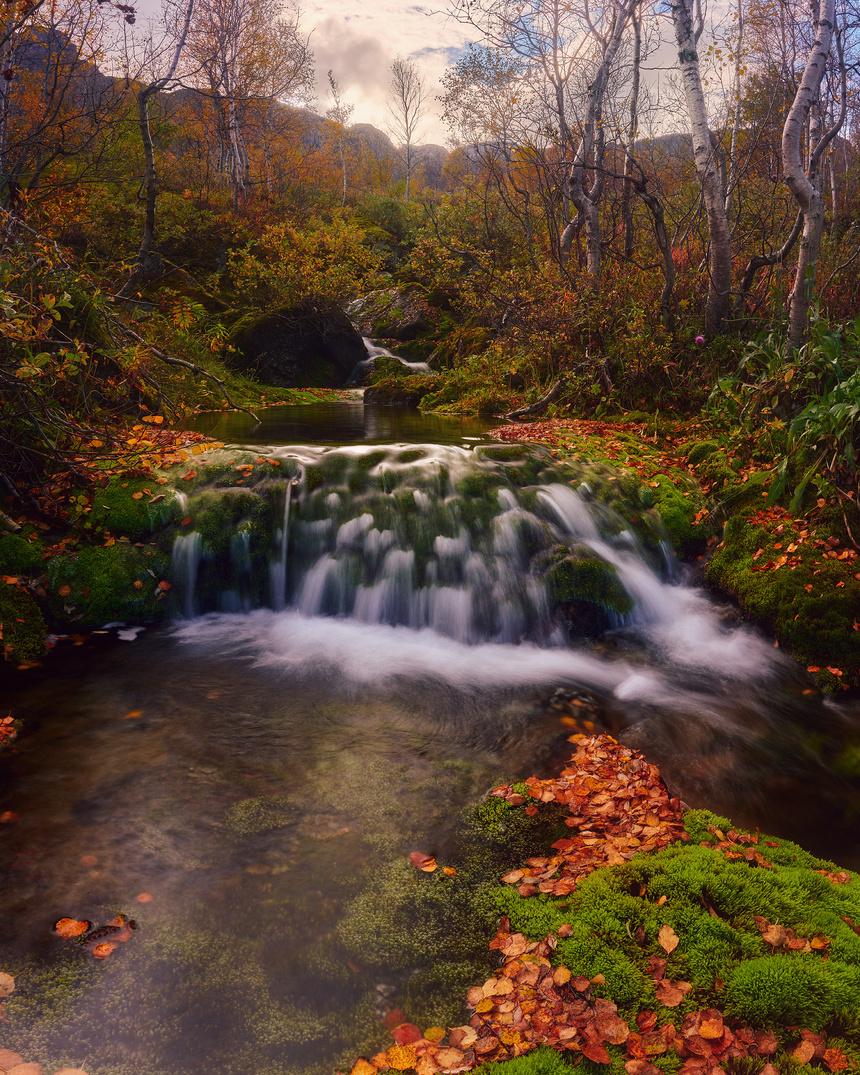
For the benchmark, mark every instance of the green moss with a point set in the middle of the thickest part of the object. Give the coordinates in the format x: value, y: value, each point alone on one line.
x: 697, y: 451
x: 116, y: 508
x: 586, y: 578
x: 102, y: 581
x: 19, y: 556
x: 251, y: 816
x: 542, y: 1061
x: 678, y: 512
x: 798, y: 989
x: 811, y: 616
x: 22, y: 626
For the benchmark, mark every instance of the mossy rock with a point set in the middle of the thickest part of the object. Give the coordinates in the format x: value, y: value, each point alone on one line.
x: 97, y: 585
x: 697, y: 451
x: 678, y: 512
x: 811, y: 616
x: 22, y: 626
x: 400, y: 391
x: 19, y: 556
x: 117, y: 509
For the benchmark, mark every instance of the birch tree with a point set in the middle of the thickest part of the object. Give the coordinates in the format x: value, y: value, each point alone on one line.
x: 804, y: 179
x: 688, y: 23
x: 406, y: 97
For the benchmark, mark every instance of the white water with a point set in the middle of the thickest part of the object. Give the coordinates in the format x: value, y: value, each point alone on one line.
x: 374, y: 352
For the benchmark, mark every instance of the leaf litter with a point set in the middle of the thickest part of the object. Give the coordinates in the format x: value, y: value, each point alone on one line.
x: 617, y: 807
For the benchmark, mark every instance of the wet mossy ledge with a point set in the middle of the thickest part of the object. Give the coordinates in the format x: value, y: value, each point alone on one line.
x: 120, y: 562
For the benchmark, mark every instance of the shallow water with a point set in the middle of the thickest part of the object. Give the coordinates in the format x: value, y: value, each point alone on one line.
x: 252, y: 772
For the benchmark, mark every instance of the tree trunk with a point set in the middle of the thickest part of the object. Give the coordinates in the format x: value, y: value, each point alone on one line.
x: 807, y: 188
x: 720, y: 283
x: 627, y: 195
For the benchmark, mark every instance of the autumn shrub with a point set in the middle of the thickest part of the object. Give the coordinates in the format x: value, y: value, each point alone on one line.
x: 286, y: 265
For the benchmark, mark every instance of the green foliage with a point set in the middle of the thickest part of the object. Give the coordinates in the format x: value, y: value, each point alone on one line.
x: 811, y: 397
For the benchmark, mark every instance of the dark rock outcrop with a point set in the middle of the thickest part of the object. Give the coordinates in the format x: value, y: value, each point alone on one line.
x: 312, y: 345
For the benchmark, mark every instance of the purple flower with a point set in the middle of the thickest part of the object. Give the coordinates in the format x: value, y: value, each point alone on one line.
x: 700, y: 340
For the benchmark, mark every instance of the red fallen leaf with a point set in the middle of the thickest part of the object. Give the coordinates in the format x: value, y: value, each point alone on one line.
x: 450, y: 1057
x: 596, y: 1052
x: 8, y: 816
x: 611, y: 1028
x: 164, y: 585
x: 186, y: 521
x: 646, y: 1021
x: 462, y: 1037
x: 406, y: 1034
x: 668, y: 939
x: 144, y: 897
x: 641, y: 1067
x: 766, y: 1043
x: 487, y: 1044
x: 670, y: 994
x: 103, y: 950
x: 393, y: 1019
x: 512, y: 876
x: 423, y: 862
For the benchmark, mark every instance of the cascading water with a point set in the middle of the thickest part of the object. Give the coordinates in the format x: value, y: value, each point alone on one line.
x: 374, y: 352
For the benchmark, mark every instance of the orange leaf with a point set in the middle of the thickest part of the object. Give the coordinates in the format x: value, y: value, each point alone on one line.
x: 70, y: 927
x: 163, y: 585
x: 423, y: 862
x: 401, y: 1057
x: 65, y: 590
x: 804, y: 1052
x: 670, y: 994
x: 138, y: 585
x: 449, y: 871
x: 835, y: 1059
x: 144, y: 897
x: 137, y: 496
x: 711, y: 1026
x: 668, y: 939
x: 103, y: 950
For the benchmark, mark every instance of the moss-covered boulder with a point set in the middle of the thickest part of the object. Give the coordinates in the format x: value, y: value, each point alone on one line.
x: 100, y: 584
x: 134, y: 507
x: 18, y: 556
x: 809, y: 603
x: 22, y: 626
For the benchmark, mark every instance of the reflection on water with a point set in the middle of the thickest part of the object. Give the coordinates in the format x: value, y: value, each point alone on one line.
x: 338, y: 423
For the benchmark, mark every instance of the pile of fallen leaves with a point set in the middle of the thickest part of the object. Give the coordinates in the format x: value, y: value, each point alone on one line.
x: 617, y: 806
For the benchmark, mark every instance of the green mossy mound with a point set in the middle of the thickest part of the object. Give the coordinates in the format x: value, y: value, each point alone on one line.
x: 810, y: 614
x: 101, y: 585
x: 711, y: 902
x: 22, y: 626
x: 116, y: 508
x: 19, y: 556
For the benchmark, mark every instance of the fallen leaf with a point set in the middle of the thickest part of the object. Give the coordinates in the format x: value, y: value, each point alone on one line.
x: 804, y: 1052
x: 7, y: 984
x: 668, y: 939
x: 670, y: 994
x: 64, y: 590
x: 164, y: 585
x: 406, y: 1033
x: 103, y: 950
x: 835, y: 1059
x: 137, y: 496
x: 8, y: 1059
x: 401, y: 1057
x: 133, y: 715
x: 71, y: 927
x: 423, y: 862
x: 364, y: 1067
x: 144, y: 897
x: 25, y: 1069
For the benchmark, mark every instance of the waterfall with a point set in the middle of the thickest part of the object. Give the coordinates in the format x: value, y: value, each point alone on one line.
x: 278, y: 566
x: 374, y: 352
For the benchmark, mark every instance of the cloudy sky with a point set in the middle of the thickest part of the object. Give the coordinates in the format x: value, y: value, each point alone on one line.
x: 360, y: 46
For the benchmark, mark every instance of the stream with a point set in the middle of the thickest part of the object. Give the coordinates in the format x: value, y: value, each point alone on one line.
x: 367, y: 638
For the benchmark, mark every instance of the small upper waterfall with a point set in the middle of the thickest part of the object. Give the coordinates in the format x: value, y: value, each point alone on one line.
x: 374, y: 352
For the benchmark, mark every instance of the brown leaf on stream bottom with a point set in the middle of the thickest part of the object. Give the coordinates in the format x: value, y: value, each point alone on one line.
x: 617, y: 806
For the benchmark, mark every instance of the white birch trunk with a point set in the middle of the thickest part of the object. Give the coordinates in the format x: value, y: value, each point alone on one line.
x: 806, y: 188
x: 720, y: 283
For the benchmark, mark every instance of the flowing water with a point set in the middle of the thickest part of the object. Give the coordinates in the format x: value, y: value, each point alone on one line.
x: 367, y: 637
